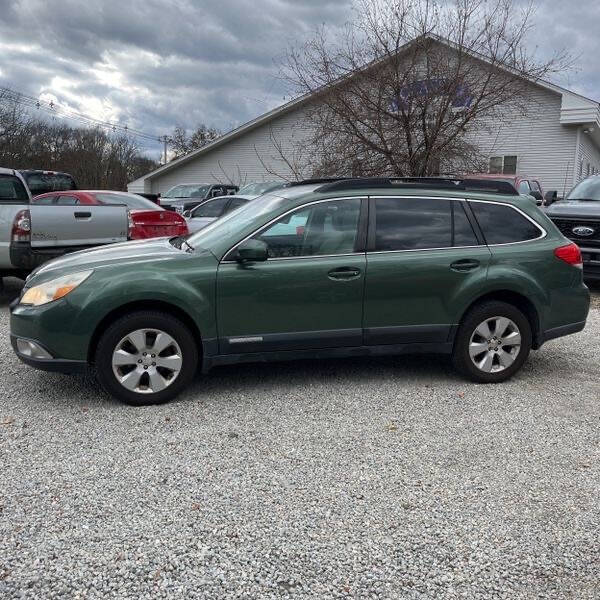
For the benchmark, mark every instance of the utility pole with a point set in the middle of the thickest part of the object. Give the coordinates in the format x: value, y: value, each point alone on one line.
x: 164, y: 140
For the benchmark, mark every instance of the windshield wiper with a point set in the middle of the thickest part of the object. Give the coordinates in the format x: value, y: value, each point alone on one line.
x: 190, y: 248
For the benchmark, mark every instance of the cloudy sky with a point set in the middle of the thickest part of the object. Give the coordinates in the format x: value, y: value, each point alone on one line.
x: 155, y: 64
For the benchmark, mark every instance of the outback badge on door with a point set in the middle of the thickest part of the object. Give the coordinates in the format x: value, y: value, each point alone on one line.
x: 583, y: 231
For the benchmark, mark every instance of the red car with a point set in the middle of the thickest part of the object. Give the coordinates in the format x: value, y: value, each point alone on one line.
x: 146, y: 219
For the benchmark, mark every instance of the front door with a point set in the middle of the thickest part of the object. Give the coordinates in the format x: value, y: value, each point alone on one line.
x: 424, y: 260
x: 307, y: 294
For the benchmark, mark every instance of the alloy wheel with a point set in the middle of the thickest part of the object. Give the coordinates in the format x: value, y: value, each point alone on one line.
x: 147, y: 361
x: 495, y: 344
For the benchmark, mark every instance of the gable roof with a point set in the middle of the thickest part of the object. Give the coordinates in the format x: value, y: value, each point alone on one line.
x: 576, y: 109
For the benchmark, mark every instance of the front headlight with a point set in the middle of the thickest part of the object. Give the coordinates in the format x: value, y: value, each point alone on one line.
x: 54, y: 289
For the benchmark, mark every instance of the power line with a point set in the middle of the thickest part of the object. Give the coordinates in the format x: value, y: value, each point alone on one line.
x: 58, y: 110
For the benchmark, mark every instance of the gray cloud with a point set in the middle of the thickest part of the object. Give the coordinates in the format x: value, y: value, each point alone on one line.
x: 154, y: 64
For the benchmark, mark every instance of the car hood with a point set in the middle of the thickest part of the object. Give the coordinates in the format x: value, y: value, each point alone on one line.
x: 137, y: 252
x: 574, y: 208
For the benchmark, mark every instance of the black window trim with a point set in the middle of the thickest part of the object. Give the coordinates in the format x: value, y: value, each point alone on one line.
x: 543, y: 231
x: 372, y: 224
x: 360, y: 236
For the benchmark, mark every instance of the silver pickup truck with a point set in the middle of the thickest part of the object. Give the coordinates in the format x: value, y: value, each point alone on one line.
x: 31, y: 234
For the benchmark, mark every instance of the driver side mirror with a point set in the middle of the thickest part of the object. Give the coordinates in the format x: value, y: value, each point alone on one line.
x: 551, y: 197
x: 252, y: 251
x: 537, y: 195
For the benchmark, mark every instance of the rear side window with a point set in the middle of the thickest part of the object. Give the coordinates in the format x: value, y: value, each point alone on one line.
x: 502, y: 224
x: 12, y: 191
x: 412, y: 224
x: 67, y: 201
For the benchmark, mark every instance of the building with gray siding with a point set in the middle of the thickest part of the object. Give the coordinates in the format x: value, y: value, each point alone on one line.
x: 557, y: 140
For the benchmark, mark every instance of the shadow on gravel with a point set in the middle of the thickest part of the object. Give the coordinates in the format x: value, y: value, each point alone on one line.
x: 9, y: 290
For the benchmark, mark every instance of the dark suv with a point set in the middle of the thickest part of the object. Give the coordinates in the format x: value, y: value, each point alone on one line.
x: 578, y: 218
x: 190, y: 195
x: 318, y: 269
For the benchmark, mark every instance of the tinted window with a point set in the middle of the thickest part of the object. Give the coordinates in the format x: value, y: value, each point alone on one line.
x: 463, y: 232
x: 412, y: 224
x: 502, y: 224
x: 535, y: 186
x: 214, y: 208
x: 321, y: 229
x: 67, y: 201
x: 12, y: 191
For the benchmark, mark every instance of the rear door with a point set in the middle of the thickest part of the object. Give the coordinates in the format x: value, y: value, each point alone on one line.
x: 424, y: 261
x: 67, y: 223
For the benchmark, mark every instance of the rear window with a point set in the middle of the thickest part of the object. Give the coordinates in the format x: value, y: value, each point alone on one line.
x: 40, y: 183
x: 132, y: 201
x: 502, y: 224
x: 12, y: 190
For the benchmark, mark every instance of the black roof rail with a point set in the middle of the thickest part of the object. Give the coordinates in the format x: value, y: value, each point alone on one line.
x: 426, y: 183
x: 315, y: 181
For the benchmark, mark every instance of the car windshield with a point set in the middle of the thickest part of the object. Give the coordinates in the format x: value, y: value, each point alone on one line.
x: 235, y: 222
x: 256, y: 189
x: 187, y: 191
x: 130, y: 200
x: 588, y: 189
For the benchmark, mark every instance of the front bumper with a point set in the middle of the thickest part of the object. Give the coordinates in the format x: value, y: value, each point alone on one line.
x: 56, y: 365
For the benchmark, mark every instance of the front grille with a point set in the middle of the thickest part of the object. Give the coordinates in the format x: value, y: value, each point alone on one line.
x: 566, y: 227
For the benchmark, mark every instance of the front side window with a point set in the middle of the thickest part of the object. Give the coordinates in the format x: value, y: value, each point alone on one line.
x: 321, y: 229
x: 187, y: 191
x: 236, y: 203
x: 412, y: 224
x: 502, y: 224
x: 211, y: 209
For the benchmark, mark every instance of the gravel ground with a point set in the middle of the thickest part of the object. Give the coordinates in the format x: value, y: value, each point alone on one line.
x: 387, y: 478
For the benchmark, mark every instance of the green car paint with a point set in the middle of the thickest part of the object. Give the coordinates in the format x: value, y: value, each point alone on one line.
x: 247, y: 311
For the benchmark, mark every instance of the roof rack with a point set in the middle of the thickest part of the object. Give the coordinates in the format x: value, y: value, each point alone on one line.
x: 425, y: 183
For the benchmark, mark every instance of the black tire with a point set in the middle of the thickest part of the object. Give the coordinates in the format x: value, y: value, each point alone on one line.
x: 478, y: 314
x: 151, y: 320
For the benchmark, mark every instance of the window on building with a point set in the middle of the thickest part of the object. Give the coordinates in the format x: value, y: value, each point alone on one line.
x: 506, y: 165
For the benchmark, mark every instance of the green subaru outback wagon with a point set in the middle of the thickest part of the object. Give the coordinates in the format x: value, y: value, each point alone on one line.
x: 319, y: 269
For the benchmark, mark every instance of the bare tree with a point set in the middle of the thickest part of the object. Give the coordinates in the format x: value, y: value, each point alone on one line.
x: 95, y: 158
x: 181, y: 143
x: 403, y: 89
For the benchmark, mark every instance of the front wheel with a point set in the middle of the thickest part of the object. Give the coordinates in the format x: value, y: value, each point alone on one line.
x: 146, y: 358
x: 492, y: 343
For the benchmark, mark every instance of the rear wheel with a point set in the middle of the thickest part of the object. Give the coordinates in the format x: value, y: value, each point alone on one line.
x: 146, y: 358
x: 492, y: 343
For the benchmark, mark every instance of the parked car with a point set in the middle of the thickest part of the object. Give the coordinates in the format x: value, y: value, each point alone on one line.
x: 31, y: 234
x: 578, y: 218
x: 524, y: 184
x: 186, y: 197
x: 146, y: 219
x: 259, y: 188
x: 39, y: 181
x: 214, y: 209
x: 482, y: 276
